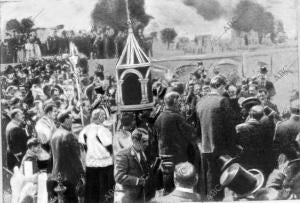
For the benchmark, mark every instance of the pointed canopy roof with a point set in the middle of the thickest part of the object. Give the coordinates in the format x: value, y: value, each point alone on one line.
x: 132, y: 55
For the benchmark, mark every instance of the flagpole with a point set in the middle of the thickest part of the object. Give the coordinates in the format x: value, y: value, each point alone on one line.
x: 73, y: 65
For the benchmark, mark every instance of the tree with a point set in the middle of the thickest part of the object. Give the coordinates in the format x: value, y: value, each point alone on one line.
x: 26, y: 25
x: 13, y: 24
x: 264, y: 26
x: 168, y: 35
x: 279, y: 26
x: 153, y: 35
x: 252, y: 16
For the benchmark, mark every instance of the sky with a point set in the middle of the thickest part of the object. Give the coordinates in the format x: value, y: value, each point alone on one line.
x: 75, y: 14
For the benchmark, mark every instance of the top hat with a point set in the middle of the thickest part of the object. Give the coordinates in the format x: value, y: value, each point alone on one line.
x: 241, y: 181
x: 226, y: 161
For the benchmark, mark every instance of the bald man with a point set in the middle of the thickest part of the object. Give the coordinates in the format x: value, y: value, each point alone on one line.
x: 251, y: 137
x: 185, y: 178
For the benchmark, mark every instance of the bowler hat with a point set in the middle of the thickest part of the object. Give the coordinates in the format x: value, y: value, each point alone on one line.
x: 241, y: 181
x: 249, y: 102
x: 263, y: 70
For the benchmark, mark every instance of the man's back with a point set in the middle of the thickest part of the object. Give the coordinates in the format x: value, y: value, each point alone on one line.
x: 16, y: 137
x: 286, y: 133
x: 174, y: 134
x: 178, y: 196
x: 215, y: 122
x: 251, y: 138
x: 55, y: 142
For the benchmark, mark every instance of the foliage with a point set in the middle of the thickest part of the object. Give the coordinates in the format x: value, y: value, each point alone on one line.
x: 252, y: 16
x: 13, y: 24
x: 168, y: 35
x: 23, y: 26
x: 26, y: 25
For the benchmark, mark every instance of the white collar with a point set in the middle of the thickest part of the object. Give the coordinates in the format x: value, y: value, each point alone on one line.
x: 182, y: 189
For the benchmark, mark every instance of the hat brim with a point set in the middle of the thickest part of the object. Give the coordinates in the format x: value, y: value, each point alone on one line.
x: 259, y: 182
x: 228, y: 163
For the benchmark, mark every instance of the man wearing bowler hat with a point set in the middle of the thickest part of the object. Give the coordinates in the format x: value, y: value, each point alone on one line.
x: 263, y: 82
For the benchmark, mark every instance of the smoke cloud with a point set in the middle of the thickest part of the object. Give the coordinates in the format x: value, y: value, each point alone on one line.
x: 113, y: 13
x: 208, y: 9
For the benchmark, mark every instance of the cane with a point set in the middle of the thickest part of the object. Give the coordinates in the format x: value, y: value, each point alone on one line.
x: 203, y: 189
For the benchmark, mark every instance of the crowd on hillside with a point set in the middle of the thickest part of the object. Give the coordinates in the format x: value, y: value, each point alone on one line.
x: 99, y: 43
x: 189, y: 147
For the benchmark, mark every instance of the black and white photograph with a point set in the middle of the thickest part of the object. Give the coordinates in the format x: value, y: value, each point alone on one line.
x: 159, y: 101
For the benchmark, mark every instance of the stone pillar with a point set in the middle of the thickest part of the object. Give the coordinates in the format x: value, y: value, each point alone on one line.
x: 120, y: 95
x: 144, y: 90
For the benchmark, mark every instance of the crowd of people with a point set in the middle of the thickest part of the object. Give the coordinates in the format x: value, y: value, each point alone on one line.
x: 100, y: 43
x: 66, y: 123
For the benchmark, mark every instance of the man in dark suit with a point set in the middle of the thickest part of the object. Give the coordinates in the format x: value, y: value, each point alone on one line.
x: 173, y: 132
x: 287, y: 131
x: 132, y: 170
x: 185, y: 177
x: 16, y: 138
x: 264, y: 83
x: 66, y: 159
x: 174, y: 135
x: 216, y: 130
x: 251, y: 138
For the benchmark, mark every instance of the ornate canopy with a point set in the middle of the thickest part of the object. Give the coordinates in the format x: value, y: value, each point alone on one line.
x: 133, y: 77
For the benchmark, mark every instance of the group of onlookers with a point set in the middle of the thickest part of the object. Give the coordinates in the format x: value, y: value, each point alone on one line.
x: 172, y: 152
x: 100, y: 43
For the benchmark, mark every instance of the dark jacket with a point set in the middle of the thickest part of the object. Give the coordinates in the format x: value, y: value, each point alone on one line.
x: 174, y: 134
x: 16, y: 138
x: 268, y: 127
x: 285, y: 136
x: 128, y: 170
x: 251, y: 138
x: 178, y: 196
x: 4, y: 122
x: 66, y: 162
x: 216, y: 124
x: 66, y: 155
